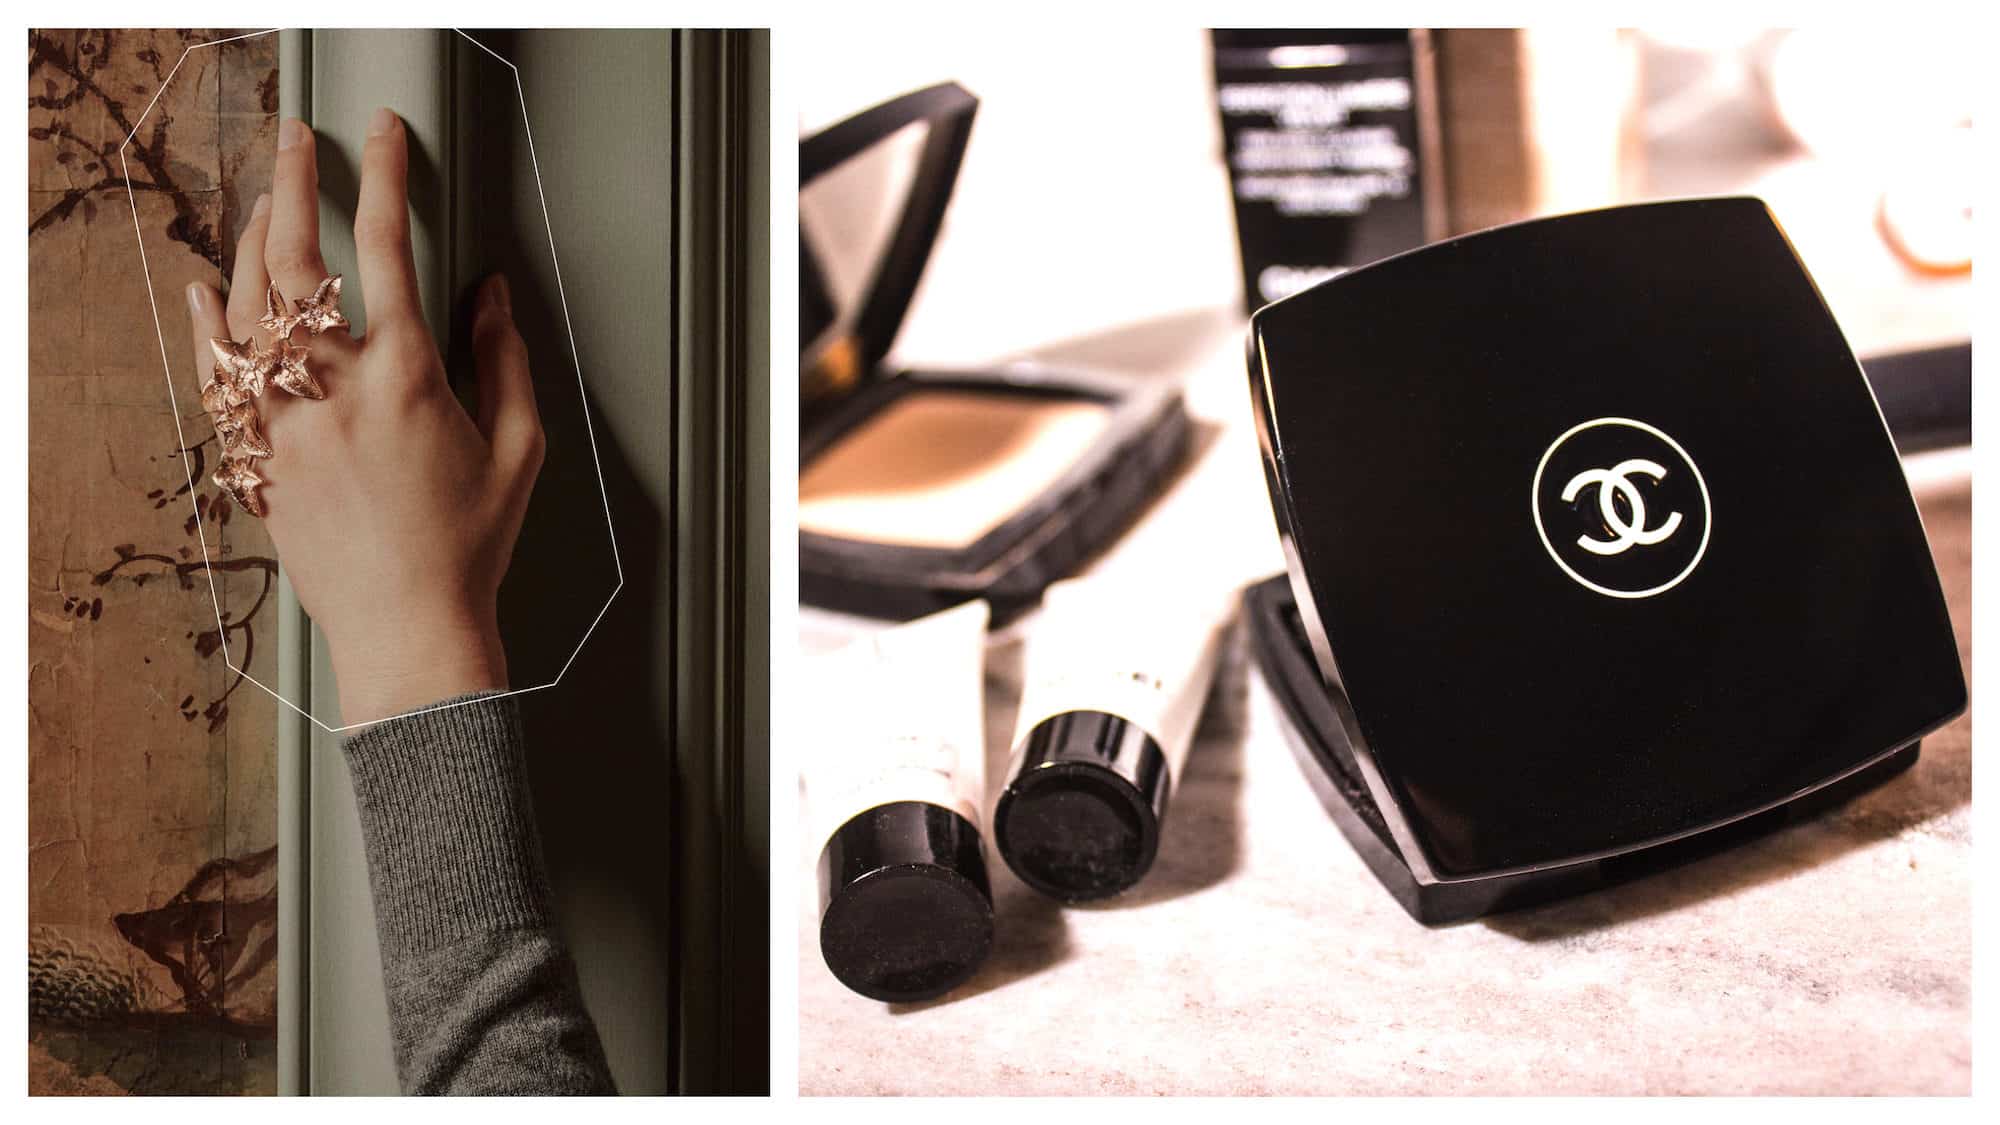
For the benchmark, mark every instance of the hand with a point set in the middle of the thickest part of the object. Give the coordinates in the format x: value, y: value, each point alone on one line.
x: 394, y: 512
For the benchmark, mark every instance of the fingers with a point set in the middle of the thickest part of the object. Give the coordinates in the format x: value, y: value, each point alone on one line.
x: 382, y: 227
x: 247, y: 284
x: 507, y: 414
x: 207, y: 321
x: 291, y: 248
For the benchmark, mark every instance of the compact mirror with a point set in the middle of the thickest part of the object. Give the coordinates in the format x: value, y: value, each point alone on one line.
x: 847, y: 217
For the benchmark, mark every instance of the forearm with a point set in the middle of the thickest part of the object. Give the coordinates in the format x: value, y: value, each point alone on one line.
x: 482, y: 994
x: 401, y: 661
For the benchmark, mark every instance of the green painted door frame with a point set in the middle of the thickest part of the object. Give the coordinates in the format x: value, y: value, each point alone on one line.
x: 649, y: 759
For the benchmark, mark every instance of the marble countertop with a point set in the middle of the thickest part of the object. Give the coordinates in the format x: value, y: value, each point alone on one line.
x: 1260, y: 956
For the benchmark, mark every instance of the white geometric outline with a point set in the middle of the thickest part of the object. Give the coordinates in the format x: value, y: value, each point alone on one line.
x: 187, y: 463
x: 1535, y: 507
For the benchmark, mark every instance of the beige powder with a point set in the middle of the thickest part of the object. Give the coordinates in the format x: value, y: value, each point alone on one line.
x: 942, y: 468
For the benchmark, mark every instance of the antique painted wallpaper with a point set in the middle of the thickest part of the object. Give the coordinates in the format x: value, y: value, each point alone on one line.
x: 152, y: 819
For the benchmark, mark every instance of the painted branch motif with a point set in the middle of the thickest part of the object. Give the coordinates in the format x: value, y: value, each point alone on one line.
x: 83, y: 85
x: 219, y: 930
x: 136, y: 986
x: 138, y: 567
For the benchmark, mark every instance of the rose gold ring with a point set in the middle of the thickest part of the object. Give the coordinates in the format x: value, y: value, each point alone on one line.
x: 244, y: 368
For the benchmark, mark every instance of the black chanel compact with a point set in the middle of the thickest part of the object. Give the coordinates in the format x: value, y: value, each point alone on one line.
x: 1599, y: 545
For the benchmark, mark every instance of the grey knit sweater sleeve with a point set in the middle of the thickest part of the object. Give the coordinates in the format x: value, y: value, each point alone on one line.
x: 483, y: 996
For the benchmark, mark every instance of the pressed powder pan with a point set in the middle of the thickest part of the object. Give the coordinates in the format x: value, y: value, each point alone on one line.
x: 919, y: 490
x: 941, y: 468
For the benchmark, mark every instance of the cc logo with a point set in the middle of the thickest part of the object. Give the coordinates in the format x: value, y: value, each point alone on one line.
x: 1621, y: 507
x: 1615, y: 484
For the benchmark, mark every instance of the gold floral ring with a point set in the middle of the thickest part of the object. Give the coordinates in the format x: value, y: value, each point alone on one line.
x: 243, y: 369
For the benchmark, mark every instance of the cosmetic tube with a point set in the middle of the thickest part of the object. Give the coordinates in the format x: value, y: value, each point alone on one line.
x: 1114, y: 687
x: 894, y: 790
x: 1331, y: 137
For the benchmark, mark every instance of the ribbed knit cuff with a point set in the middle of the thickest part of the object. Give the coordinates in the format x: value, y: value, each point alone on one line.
x: 446, y: 822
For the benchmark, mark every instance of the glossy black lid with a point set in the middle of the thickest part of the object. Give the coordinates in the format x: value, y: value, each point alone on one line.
x: 947, y: 110
x: 1080, y: 815
x: 906, y: 912
x: 1318, y: 738
x: 1517, y: 699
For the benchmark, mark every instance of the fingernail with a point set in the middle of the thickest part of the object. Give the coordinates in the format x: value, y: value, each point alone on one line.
x: 292, y: 132
x: 197, y: 295
x: 262, y: 205
x: 501, y: 295
x: 382, y: 122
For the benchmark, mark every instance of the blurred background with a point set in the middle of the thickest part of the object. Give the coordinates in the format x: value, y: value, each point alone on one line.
x: 1097, y: 187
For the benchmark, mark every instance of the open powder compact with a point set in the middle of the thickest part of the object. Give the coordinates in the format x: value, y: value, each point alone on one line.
x: 921, y: 489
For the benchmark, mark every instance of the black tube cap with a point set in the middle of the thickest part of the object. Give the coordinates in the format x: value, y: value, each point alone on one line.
x: 1080, y: 817
x: 905, y: 909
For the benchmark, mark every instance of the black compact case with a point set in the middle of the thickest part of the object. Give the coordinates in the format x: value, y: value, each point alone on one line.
x: 1600, y: 548
x: 844, y: 383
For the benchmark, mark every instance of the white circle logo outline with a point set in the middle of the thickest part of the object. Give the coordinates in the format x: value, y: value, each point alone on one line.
x: 1535, y: 507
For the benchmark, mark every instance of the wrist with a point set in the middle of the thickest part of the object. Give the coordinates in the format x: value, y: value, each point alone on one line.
x: 402, y: 666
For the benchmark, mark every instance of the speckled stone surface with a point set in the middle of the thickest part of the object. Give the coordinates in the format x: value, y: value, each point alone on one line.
x: 1260, y: 956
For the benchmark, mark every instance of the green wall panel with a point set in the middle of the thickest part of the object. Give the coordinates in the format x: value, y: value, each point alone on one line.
x: 648, y: 759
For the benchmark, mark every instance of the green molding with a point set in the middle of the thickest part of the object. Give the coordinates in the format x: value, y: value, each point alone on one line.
x: 294, y: 733
x: 598, y: 743
x: 341, y: 77
x: 653, y: 150
x: 721, y: 1033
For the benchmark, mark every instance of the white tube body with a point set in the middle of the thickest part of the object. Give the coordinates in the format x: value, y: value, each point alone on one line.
x: 1099, y: 647
x: 897, y: 717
